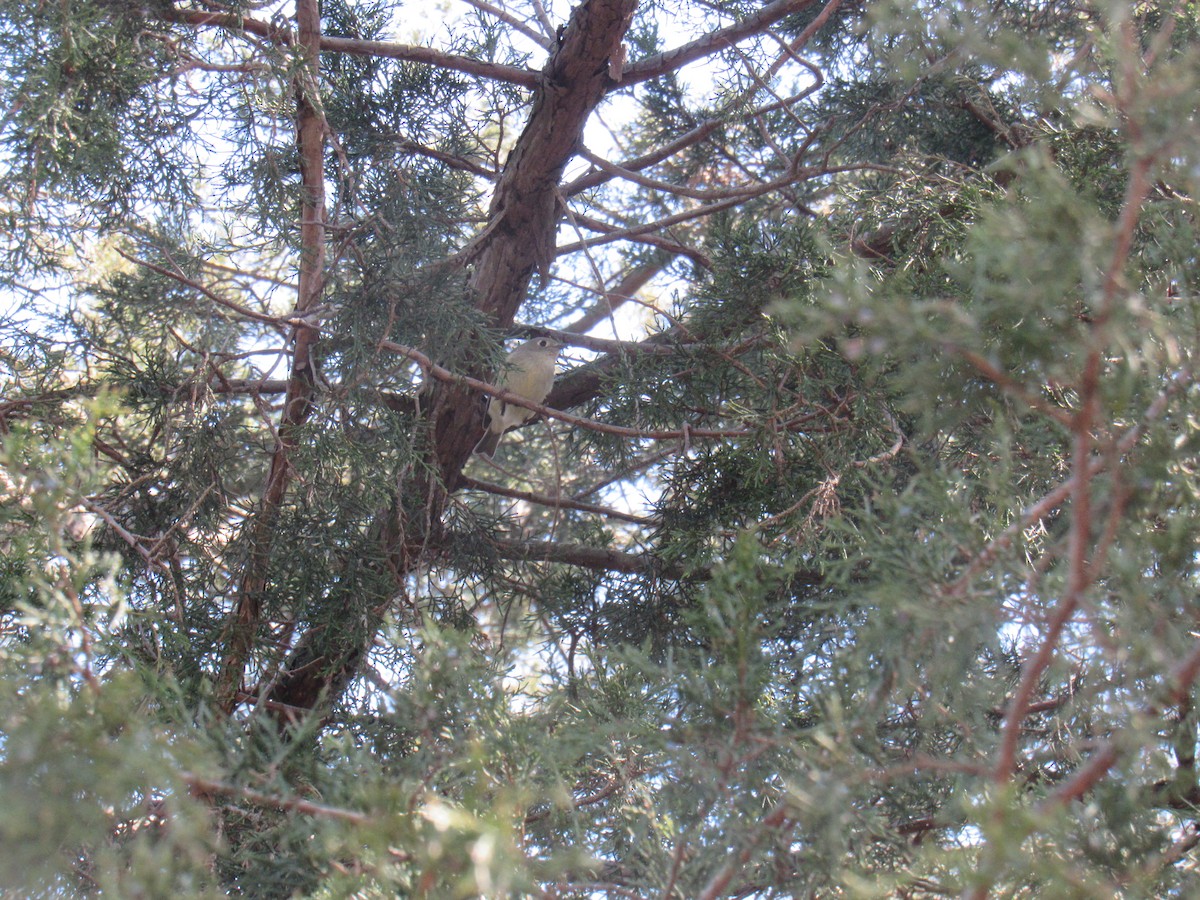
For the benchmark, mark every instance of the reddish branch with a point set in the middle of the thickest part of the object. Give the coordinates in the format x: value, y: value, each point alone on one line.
x: 301, y: 387
x: 632, y: 282
x: 518, y: 239
x: 1084, y: 560
x: 1178, y: 689
x: 777, y: 821
x: 356, y: 47
x: 671, y: 60
x: 552, y: 502
x: 1085, y: 551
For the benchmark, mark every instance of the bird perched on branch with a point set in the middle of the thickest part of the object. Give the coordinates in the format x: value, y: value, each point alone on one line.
x: 529, y: 373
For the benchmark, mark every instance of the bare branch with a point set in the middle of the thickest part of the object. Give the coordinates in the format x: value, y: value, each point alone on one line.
x: 356, y: 47
x: 509, y: 19
x: 543, y: 19
x: 586, y: 557
x: 204, y: 788
x: 216, y: 298
x: 639, y: 232
x: 671, y: 60
x: 681, y: 143
x: 449, y: 159
x: 644, y: 237
x: 776, y: 820
x: 633, y: 281
x: 609, y: 785
x: 553, y: 502
x: 743, y: 191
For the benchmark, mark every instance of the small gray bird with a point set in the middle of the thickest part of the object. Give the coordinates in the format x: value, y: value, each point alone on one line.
x: 528, y: 373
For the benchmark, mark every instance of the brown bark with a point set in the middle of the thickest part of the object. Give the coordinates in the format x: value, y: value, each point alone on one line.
x: 520, y: 234
x: 310, y: 141
x: 357, y: 47
x: 519, y: 239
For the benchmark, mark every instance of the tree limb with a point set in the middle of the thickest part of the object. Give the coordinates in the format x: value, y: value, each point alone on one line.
x: 587, y: 557
x: 204, y: 788
x: 672, y: 60
x: 553, y: 502
x: 357, y: 47
x: 301, y: 390
x: 633, y: 281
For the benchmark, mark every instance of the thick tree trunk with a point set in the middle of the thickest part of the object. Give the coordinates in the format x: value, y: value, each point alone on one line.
x: 519, y: 239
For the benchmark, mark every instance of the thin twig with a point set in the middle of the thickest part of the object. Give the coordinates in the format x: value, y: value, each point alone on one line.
x: 203, y: 788
x: 356, y: 47
x: 553, y: 502
x: 508, y: 18
x: 441, y: 374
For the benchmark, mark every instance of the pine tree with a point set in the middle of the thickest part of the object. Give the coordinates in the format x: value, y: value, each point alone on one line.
x: 853, y: 552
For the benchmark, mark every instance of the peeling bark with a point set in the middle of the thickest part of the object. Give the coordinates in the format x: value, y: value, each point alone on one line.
x: 518, y: 240
x: 301, y: 385
x: 520, y: 234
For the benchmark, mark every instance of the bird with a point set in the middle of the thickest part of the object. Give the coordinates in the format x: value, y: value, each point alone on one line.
x: 529, y: 373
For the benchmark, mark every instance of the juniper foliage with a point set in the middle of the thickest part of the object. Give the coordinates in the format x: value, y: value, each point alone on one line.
x: 856, y: 555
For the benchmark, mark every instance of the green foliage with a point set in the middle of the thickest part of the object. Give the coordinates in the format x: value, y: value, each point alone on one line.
x: 92, y: 802
x: 873, y: 572
x: 84, y: 131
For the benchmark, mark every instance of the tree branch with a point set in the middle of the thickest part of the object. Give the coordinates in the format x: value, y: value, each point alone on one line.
x: 776, y: 820
x: 216, y: 298
x: 644, y: 236
x: 553, y: 502
x: 1179, y: 684
x: 203, y: 788
x: 586, y: 557
x: 633, y: 281
x: 356, y: 47
x: 512, y: 21
x: 1082, y: 563
x: 301, y: 390
x: 672, y: 60
x: 688, y: 139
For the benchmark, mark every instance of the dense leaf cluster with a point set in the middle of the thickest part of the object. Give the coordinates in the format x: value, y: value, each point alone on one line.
x: 864, y: 562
